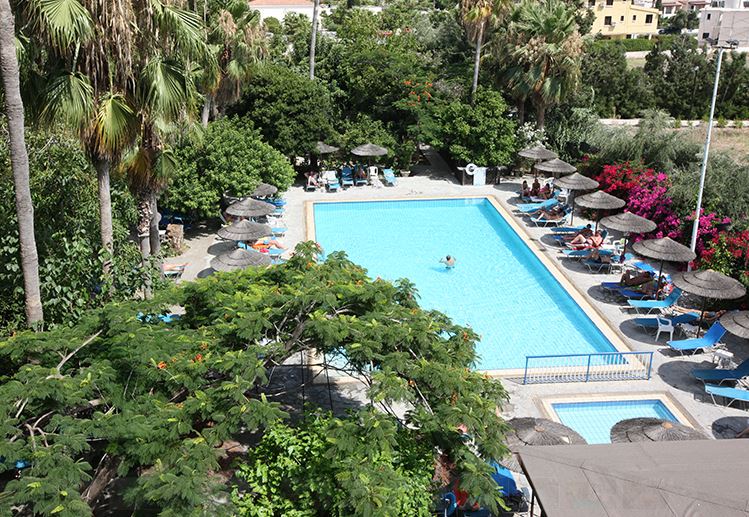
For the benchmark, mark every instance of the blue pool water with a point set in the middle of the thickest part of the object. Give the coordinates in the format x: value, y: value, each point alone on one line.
x: 594, y: 420
x: 498, y: 286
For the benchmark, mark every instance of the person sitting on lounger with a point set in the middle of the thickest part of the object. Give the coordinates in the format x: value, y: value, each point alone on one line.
x: 312, y: 179
x: 545, y: 191
x: 634, y: 277
x: 360, y: 172
x: 586, y: 233
x: 448, y: 261
x: 536, y: 188
x: 595, y: 255
x: 525, y: 190
x: 581, y: 242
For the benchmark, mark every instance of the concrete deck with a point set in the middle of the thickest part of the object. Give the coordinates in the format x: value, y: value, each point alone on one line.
x: 671, y: 374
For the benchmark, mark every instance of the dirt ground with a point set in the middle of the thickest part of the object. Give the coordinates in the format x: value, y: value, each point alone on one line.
x: 732, y: 140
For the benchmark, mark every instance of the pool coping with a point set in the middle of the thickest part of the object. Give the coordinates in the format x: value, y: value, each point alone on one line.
x: 590, y: 311
x: 544, y: 404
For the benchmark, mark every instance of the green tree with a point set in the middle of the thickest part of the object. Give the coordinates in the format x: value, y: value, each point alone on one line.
x: 230, y: 157
x: 122, y: 392
x: 477, y: 15
x: 546, y: 53
x: 19, y: 162
x: 291, y: 111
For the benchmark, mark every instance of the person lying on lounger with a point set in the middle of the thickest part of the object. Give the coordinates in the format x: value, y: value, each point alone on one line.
x: 581, y: 242
x: 634, y: 277
x: 553, y: 214
x: 585, y: 232
x: 708, y: 317
x: 266, y: 243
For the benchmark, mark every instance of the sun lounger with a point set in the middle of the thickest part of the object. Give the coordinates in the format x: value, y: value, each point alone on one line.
x: 665, y: 323
x: 584, y: 254
x: 331, y: 181
x: 389, y: 176
x: 721, y: 375
x: 710, y: 339
x: 529, y: 208
x: 730, y: 394
x: 652, y: 305
x: 596, y: 266
x: 540, y: 221
x: 566, y: 229
x: 278, y: 231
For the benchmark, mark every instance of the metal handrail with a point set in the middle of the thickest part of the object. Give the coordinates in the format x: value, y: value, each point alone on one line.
x: 601, y: 366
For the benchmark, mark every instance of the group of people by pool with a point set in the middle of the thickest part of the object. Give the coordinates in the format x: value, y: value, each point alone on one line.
x: 536, y: 190
x: 315, y: 180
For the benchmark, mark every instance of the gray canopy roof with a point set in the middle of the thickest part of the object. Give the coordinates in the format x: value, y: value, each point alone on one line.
x: 250, y: 208
x: 576, y: 181
x: 628, y: 222
x: 709, y: 284
x: 239, y: 259
x: 323, y: 148
x: 645, y: 479
x: 664, y: 249
x: 736, y: 323
x: 369, y: 150
x: 244, y: 231
x: 600, y: 200
x: 264, y: 189
x: 555, y: 165
x: 652, y: 430
x: 538, y: 152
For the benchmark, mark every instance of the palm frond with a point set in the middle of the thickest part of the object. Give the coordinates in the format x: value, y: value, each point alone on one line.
x: 115, y: 125
x: 186, y: 27
x: 64, y: 22
x: 68, y: 97
x: 163, y: 88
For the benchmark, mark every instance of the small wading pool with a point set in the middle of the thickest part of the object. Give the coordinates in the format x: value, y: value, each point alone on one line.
x: 594, y: 419
x: 498, y: 287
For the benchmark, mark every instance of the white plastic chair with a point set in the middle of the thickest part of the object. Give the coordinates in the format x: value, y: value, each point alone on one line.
x: 665, y: 325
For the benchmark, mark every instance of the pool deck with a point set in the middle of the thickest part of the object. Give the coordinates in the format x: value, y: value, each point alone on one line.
x: 671, y: 374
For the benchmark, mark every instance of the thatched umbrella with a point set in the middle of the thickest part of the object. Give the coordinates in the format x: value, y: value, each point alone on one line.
x: 537, y: 431
x: 600, y: 200
x: 628, y: 223
x: 664, y: 250
x: 244, y: 231
x: 369, y: 150
x: 239, y: 259
x: 573, y: 182
x: 250, y: 208
x: 537, y: 152
x: 556, y: 167
x: 264, y: 190
x: 652, y: 430
x: 736, y: 323
x: 709, y: 285
x: 323, y: 148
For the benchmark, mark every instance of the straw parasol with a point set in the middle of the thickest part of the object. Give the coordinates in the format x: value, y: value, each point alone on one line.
x: 556, y: 166
x: 323, y: 148
x: 239, y: 259
x: 250, y: 208
x: 736, y: 323
x: 664, y: 250
x: 600, y: 200
x: 369, y: 150
x: 244, y: 231
x: 628, y: 223
x: 652, y: 430
x: 537, y: 431
x: 709, y: 285
x: 264, y: 190
x: 537, y: 152
x: 575, y: 181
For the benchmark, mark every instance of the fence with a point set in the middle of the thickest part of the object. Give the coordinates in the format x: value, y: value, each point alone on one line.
x: 606, y: 366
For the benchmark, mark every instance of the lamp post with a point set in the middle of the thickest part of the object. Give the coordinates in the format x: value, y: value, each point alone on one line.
x: 730, y: 44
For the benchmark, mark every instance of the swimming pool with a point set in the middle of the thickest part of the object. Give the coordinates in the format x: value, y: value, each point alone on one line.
x: 594, y: 420
x: 499, y: 287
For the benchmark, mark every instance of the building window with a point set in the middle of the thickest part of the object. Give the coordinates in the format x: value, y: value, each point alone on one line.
x: 634, y: 19
x: 648, y: 18
x: 746, y: 5
x: 591, y: 3
x: 609, y: 2
x: 668, y: 10
x: 621, y: 18
x: 607, y: 20
x: 708, y: 17
x: 705, y: 35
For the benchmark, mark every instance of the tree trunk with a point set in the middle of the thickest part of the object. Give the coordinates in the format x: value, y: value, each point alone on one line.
x: 540, y: 114
x: 144, y: 231
x: 103, y: 167
x: 313, y: 39
x: 153, y: 232
x: 19, y: 160
x: 521, y: 111
x: 477, y: 62
x: 206, y: 114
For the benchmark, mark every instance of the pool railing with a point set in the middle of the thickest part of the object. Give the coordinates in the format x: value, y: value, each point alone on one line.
x: 603, y: 366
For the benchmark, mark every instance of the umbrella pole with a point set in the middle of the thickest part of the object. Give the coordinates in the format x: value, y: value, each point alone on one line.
x: 702, y: 316
x: 658, y: 280
x: 572, y: 205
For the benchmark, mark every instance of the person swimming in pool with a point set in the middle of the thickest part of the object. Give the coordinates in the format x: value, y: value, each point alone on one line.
x: 448, y: 261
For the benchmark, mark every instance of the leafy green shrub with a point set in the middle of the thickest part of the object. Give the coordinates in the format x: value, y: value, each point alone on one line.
x: 291, y: 112
x: 231, y: 157
x: 721, y: 122
x: 677, y: 123
x: 738, y: 123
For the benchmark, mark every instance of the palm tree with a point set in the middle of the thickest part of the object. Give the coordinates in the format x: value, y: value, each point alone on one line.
x: 20, y: 165
x: 313, y: 38
x: 545, y: 60
x: 476, y: 15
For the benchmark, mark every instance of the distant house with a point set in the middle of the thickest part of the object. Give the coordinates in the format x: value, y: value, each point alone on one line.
x: 620, y: 19
x: 671, y: 7
x: 280, y: 8
x: 725, y: 20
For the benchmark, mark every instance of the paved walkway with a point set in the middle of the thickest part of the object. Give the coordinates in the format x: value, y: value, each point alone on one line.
x: 671, y: 374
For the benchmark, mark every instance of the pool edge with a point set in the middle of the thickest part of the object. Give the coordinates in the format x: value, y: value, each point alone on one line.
x: 598, y: 319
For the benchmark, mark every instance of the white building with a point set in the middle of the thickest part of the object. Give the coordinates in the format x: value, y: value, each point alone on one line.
x: 671, y: 7
x: 725, y: 20
x: 280, y: 8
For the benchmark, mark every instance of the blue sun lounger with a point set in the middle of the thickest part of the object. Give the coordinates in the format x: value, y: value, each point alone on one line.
x: 721, y: 375
x: 595, y: 266
x: 652, y: 323
x: 651, y: 305
x: 730, y: 394
x: 710, y: 339
x: 581, y: 254
x: 540, y: 221
x: 529, y: 208
x: 561, y: 230
x: 389, y: 176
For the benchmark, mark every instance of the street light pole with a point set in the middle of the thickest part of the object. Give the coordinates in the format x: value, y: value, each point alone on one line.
x: 706, y: 152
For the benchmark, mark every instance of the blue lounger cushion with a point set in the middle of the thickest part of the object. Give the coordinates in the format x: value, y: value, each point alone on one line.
x: 733, y: 394
x: 720, y: 375
x: 675, y: 320
x: 710, y: 339
x: 650, y: 305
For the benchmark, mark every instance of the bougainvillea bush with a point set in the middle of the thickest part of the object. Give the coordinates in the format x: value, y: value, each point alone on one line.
x: 729, y: 254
